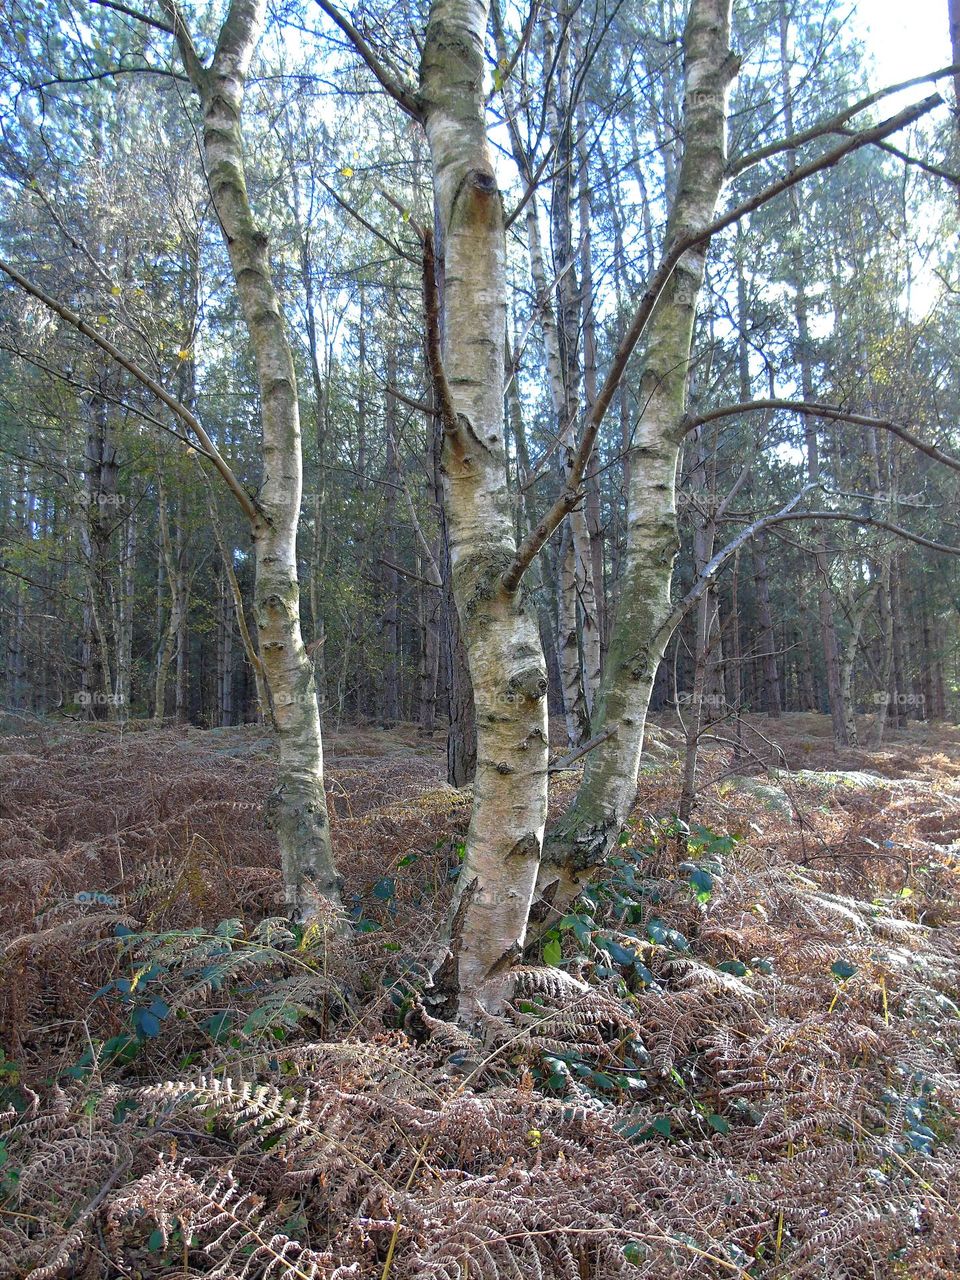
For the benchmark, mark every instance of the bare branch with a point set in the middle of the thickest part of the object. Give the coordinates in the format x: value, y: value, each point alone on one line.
x: 833, y: 413
x: 405, y: 97
x: 188, y: 52
x: 786, y: 514
x: 368, y: 226
x: 567, y: 762
x: 945, y: 548
x: 136, y: 15
x: 651, y: 296
x: 832, y: 124
x: 712, y: 568
x: 934, y: 170
x: 244, y: 500
x: 420, y: 406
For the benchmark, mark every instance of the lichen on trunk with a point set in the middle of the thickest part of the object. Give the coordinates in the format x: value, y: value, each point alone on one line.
x: 583, y: 836
x: 298, y: 807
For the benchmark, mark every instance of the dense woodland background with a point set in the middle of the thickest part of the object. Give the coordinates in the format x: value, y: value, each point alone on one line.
x: 124, y: 568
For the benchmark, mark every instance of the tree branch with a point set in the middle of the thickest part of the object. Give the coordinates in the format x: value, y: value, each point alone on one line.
x: 713, y: 566
x: 944, y: 548
x: 136, y: 15
x: 934, y: 170
x: 683, y: 244
x: 368, y: 226
x: 567, y: 761
x: 832, y: 413
x: 786, y: 514
x: 405, y: 97
x: 830, y: 125
x: 188, y: 52
x: 244, y: 499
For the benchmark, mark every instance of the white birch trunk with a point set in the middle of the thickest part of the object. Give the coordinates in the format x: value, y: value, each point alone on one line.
x: 588, y: 830
x: 495, y: 888
x: 298, y: 806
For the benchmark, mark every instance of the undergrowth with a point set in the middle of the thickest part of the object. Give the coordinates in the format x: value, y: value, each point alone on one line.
x: 737, y: 1056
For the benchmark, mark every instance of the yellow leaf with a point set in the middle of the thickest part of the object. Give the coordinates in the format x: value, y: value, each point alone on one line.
x: 183, y: 354
x: 116, y: 291
x: 103, y: 319
x: 347, y: 171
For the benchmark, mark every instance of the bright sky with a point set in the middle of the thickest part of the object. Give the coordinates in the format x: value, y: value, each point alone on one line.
x: 906, y: 39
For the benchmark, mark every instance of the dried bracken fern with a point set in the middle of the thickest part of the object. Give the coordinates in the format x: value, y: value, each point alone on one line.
x: 777, y: 1097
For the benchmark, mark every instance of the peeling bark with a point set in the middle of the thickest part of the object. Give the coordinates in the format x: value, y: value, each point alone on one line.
x: 495, y: 888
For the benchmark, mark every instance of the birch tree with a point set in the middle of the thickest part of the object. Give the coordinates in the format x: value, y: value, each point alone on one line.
x: 606, y: 795
x: 297, y: 807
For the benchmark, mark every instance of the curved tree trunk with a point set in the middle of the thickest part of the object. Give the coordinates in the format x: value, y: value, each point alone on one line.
x: 298, y: 807
x: 586, y: 832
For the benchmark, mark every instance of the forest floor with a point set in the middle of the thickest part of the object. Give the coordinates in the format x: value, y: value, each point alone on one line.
x: 736, y: 1058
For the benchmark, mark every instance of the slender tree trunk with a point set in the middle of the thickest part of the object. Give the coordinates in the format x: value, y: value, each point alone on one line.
x: 887, y: 697
x: 767, y: 638
x: 298, y: 806
x: 429, y: 593
x: 168, y: 647
x: 249, y: 649
x: 390, y: 578
x: 102, y: 469
x: 561, y: 327
x: 181, y: 584
x: 568, y: 645
x: 16, y: 648
x: 858, y: 614
x: 702, y: 483
x: 828, y: 630
x: 593, y: 653
x: 901, y: 663
x: 583, y: 836
x: 124, y: 686
x: 736, y: 670
x: 428, y: 601
x: 461, y: 711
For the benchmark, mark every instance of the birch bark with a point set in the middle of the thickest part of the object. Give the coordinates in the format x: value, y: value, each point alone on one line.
x: 585, y: 833
x: 496, y: 883
x: 298, y: 807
